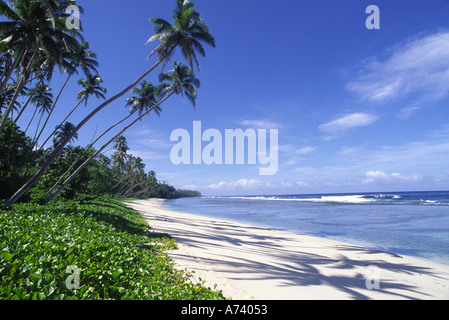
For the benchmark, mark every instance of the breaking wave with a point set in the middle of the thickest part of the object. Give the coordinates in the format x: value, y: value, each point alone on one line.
x: 380, y: 198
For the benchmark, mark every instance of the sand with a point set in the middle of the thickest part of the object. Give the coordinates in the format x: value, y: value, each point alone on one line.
x: 253, y: 263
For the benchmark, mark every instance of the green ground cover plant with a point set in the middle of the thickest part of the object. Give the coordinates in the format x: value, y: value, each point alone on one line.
x: 103, y: 239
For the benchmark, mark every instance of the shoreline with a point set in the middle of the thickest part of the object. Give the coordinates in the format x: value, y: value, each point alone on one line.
x: 248, y: 262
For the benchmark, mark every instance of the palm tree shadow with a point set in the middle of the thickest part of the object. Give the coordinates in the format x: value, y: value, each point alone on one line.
x: 298, y: 268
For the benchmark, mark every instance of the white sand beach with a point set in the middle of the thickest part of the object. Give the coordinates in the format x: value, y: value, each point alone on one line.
x: 248, y: 262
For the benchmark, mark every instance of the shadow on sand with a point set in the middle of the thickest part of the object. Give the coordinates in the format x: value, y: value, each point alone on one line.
x: 298, y: 267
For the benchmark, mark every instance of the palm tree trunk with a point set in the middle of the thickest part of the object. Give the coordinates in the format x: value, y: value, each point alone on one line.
x: 31, y: 120
x: 22, y: 54
x: 37, y: 129
x: 62, y: 123
x: 11, y: 105
x: 81, y: 167
x: 31, y: 97
x: 87, y: 149
x: 52, y: 108
x: 19, y: 193
x: 16, y: 94
x: 140, y: 192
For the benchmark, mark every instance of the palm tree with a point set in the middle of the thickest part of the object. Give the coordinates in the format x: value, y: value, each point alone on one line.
x: 82, y: 57
x: 186, y: 31
x: 135, y: 175
x: 120, y: 144
x: 179, y: 39
x: 79, y: 57
x: 144, y: 98
x: 62, y: 132
x: 120, y: 155
x: 42, y: 99
x: 91, y: 86
x: 6, y: 97
x: 34, y: 27
x: 182, y: 81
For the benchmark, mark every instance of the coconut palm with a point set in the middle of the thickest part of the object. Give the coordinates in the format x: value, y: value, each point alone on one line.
x: 171, y: 38
x: 79, y: 57
x: 182, y: 81
x: 187, y: 31
x: 42, y: 99
x: 64, y: 131
x: 144, y: 98
x: 6, y: 97
x: 91, y: 86
x: 33, y: 28
x: 82, y: 57
x: 120, y: 144
x: 119, y: 157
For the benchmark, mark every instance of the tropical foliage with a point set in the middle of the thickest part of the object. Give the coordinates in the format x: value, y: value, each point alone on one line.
x: 35, y: 40
x: 56, y: 207
x: 100, y: 237
x: 122, y: 174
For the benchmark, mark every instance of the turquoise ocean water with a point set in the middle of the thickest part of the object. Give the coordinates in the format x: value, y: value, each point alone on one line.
x: 412, y: 223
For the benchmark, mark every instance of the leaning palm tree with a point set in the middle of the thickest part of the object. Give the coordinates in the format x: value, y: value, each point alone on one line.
x: 32, y: 27
x: 90, y: 86
x: 79, y: 57
x: 187, y: 31
x: 44, y: 106
x: 171, y: 39
x: 6, y: 97
x: 143, y: 99
x: 62, y: 132
x: 82, y: 57
x: 41, y: 98
x: 182, y: 81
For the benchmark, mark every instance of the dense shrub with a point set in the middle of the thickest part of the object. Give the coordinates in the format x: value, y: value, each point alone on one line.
x: 101, y: 237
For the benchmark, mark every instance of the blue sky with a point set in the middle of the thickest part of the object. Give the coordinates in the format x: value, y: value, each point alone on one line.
x: 357, y: 110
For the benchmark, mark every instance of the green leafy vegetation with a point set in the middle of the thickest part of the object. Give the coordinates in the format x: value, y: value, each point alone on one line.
x: 117, y: 254
x: 57, y: 210
x: 121, y: 175
x: 35, y: 42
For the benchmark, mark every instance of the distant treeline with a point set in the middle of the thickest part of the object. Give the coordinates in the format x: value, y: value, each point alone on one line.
x: 182, y: 193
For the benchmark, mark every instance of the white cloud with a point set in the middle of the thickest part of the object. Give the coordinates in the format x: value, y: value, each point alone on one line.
x: 349, y: 121
x: 374, y: 176
x: 407, y: 112
x: 286, y: 184
x: 419, y: 65
x: 246, y: 184
x: 302, y: 184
